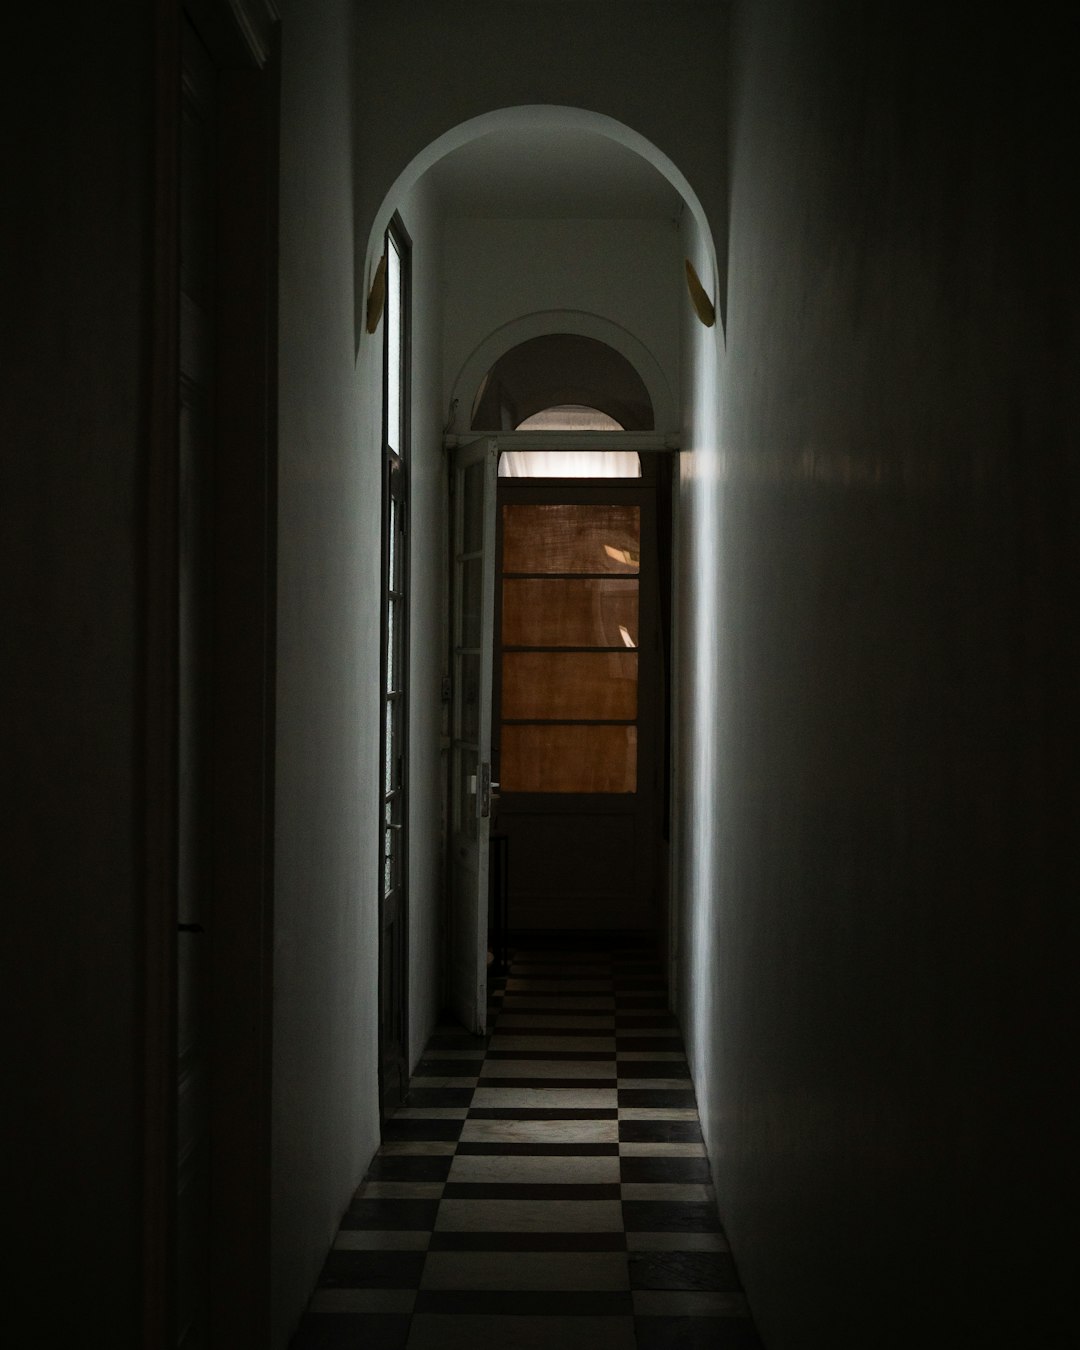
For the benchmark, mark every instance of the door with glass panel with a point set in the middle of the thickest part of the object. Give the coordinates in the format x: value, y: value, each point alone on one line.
x: 472, y: 790
x: 578, y: 702
x: 393, y: 890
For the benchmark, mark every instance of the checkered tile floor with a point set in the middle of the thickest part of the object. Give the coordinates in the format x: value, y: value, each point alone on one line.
x: 545, y: 1186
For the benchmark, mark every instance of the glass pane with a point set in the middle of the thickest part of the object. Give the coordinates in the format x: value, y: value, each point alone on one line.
x: 569, y: 684
x: 472, y: 506
x: 557, y: 612
x: 393, y: 345
x: 571, y: 538
x: 472, y: 580
x: 388, y: 749
x: 470, y: 698
x: 391, y: 570
x: 391, y: 606
x: 571, y: 417
x: 569, y: 759
x: 569, y: 463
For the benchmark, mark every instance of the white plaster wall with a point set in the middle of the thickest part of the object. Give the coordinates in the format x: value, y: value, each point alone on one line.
x: 328, y: 802
x: 880, y: 554
x: 700, y: 697
x: 325, y: 1121
x: 659, y: 68
x: 498, y: 271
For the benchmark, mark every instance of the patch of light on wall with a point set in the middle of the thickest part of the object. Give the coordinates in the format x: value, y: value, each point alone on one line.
x: 569, y: 464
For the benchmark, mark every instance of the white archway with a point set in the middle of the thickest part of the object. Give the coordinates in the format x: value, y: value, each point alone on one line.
x: 508, y: 335
x: 556, y: 117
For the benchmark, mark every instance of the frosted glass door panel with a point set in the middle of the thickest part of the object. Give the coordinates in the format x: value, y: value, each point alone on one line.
x: 571, y: 538
x: 592, y: 686
x: 570, y: 612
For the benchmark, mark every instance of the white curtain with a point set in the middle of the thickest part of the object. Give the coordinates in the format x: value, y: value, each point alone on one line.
x: 569, y: 464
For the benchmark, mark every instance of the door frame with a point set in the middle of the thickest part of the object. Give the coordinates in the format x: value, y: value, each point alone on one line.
x: 466, y: 850
x: 645, y: 803
x: 645, y: 443
x: 242, y: 39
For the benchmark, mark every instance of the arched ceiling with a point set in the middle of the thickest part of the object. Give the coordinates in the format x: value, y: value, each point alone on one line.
x: 552, y: 173
x: 560, y: 368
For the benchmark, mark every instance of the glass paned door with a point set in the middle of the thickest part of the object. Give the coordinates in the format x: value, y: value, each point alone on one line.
x: 393, y: 779
x: 474, y: 478
x: 578, y: 702
x: 569, y: 652
x: 392, y: 936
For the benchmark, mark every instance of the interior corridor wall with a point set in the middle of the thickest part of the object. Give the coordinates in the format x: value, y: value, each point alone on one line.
x: 698, y: 697
x: 329, y: 804
x: 500, y: 270
x: 325, y: 1095
x: 660, y: 69
x: 879, y: 680
x: 75, y: 394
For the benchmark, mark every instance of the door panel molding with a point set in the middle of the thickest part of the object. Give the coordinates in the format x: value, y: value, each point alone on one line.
x: 561, y: 879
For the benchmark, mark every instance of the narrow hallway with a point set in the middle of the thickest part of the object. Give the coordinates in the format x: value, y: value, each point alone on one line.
x: 544, y: 1186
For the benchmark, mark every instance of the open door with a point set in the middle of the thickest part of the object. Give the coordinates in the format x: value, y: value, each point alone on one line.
x: 578, y: 706
x: 473, y: 479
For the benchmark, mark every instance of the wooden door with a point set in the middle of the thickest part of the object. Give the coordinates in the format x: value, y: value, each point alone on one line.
x: 579, y: 703
x: 474, y: 479
x: 209, y: 692
x: 198, y: 212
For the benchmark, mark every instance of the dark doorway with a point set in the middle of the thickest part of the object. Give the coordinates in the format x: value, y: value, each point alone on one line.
x: 580, y: 692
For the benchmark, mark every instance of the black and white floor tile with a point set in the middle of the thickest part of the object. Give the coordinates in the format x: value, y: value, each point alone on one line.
x: 542, y: 1187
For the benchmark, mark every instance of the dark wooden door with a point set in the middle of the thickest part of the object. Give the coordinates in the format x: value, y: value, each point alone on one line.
x: 198, y: 265
x: 210, y: 699
x: 579, y: 702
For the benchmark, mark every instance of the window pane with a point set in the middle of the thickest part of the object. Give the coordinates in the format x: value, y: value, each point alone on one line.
x: 571, y: 538
x: 473, y: 508
x: 570, y: 684
x: 558, y: 612
x: 569, y: 759
x: 570, y: 417
x: 470, y: 698
x: 569, y: 463
x: 391, y: 645
x: 472, y: 580
x: 389, y: 862
x: 388, y: 747
x: 393, y: 345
